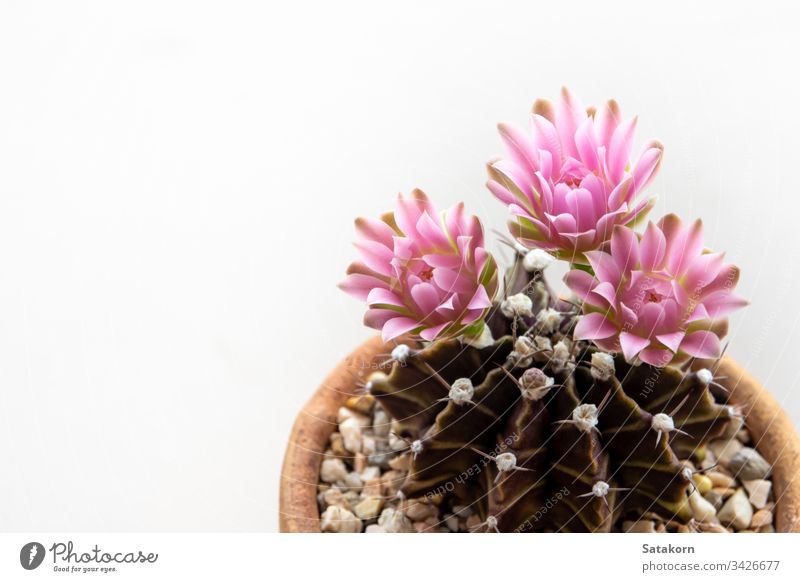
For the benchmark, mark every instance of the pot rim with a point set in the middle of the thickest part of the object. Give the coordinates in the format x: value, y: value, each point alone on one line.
x: 770, y: 428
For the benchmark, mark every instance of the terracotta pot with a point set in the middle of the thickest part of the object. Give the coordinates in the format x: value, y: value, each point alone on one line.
x: 769, y: 426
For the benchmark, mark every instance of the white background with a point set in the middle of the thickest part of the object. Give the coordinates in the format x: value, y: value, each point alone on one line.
x: 178, y: 183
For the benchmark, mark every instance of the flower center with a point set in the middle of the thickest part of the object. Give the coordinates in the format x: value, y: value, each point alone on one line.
x: 426, y: 274
x: 651, y: 296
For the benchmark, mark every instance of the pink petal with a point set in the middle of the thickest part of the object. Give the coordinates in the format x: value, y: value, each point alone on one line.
x: 545, y: 137
x: 619, y: 150
x: 452, y: 281
x: 593, y: 326
x: 397, y: 327
x: 604, y: 267
x: 431, y: 230
x: 379, y: 296
x: 606, y: 121
x: 500, y: 192
x: 447, y: 306
x: 376, y: 230
x: 358, y: 285
x: 652, y: 248
x: 579, y: 282
x: 430, y: 333
x: 569, y: 116
x: 376, y: 256
x: 607, y: 292
x: 562, y: 223
x: 480, y: 300
x: 519, y: 146
x: 426, y: 297
x: 685, y: 243
x: 581, y: 205
x: 441, y: 260
x: 582, y: 241
x: 701, y: 344
x: 702, y: 271
x: 632, y: 345
x: 586, y: 145
x: 723, y: 304
x: 376, y: 318
x: 671, y: 340
x: 655, y: 357
x: 625, y: 248
x: 646, y: 166
x: 621, y: 194
x: 408, y: 210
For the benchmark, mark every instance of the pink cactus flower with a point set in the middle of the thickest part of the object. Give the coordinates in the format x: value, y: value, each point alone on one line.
x: 659, y: 297
x: 570, y: 181
x: 422, y: 272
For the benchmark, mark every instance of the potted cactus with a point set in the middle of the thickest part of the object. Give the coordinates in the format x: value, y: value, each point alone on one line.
x: 491, y: 404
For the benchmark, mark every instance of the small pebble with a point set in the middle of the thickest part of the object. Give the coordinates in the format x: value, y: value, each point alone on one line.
x: 451, y: 521
x: 370, y: 473
x: 337, y: 446
x: 381, y: 423
x: 761, y: 518
x: 420, y: 511
x: 333, y: 496
x: 346, y: 414
x: 702, y: 510
x: 703, y: 483
x: 393, y: 521
x: 372, y: 487
x: 396, y: 443
x: 381, y: 459
x: 759, y: 490
x: 713, y: 528
x: 724, y: 492
x: 350, y: 430
x: 332, y: 470
x: 714, y: 498
x: 351, y: 499
x: 736, y: 512
x: 641, y: 526
x: 359, y: 462
x: 391, y: 482
x: 353, y: 481
x: 362, y: 403
x: 733, y: 427
x: 369, y: 508
x: 473, y: 521
x: 462, y: 511
x: 725, y: 449
x: 368, y: 445
x: 720, y: 479
x: 336, y: 519
x: 748, y: 465
x: 709, y: 460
